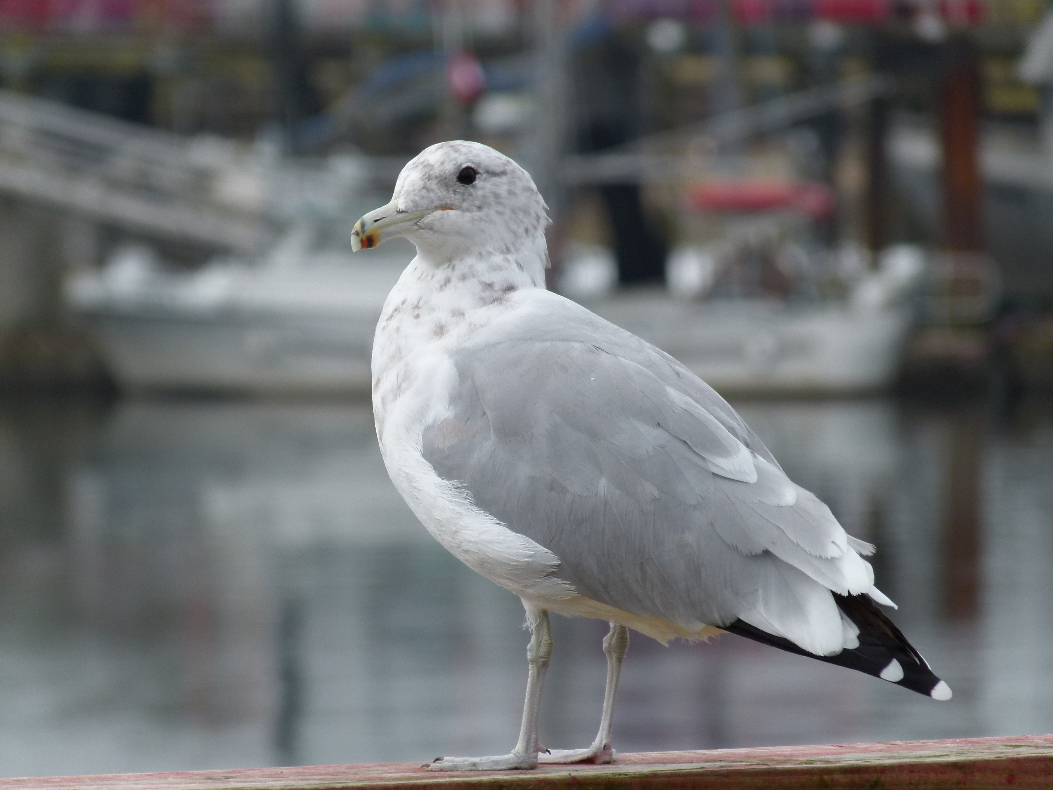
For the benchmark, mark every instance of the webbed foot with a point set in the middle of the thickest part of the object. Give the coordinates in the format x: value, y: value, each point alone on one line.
x: 501, y: 762
x: 599, y: 754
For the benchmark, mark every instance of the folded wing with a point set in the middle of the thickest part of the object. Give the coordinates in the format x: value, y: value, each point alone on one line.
x: 651, y: 491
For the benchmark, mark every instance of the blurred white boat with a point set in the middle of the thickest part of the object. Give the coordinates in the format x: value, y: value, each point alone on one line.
x: 791, y: 346
x: 755, y: 347
x: 302, y: 321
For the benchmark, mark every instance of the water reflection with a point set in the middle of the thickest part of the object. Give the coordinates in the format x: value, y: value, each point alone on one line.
x: 193, y: 584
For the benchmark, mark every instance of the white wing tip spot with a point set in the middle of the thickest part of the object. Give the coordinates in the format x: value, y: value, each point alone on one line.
x: 941, y: 691
x: 893, y: 673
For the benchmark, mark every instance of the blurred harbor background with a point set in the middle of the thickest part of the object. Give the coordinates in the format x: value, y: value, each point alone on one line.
x: 838, y: 212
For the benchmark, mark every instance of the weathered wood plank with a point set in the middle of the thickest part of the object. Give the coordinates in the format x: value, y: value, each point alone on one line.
x: 1019, y: 762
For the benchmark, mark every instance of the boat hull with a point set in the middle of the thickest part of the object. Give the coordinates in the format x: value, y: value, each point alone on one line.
x: 759, y: 348
x: 748, y: 348
x: 236, y: 352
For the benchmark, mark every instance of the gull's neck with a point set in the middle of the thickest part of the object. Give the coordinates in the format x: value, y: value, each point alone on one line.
x: 435, y: 306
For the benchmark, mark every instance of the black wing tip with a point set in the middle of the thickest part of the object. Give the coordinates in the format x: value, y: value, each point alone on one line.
x: 883, y: 651
x: 918, y: 678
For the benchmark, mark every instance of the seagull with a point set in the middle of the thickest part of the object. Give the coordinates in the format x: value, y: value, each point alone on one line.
x: 583, y: 469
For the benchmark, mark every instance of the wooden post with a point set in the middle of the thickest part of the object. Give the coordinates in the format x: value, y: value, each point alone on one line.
x: 877, y: 177
x: 1021, y: 762
x: 959, y: 115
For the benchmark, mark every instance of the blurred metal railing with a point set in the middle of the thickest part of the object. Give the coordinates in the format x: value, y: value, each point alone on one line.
x: 131, y: 175
x: 656, y: 158
x: 661, y: 157
x: 188, y: 188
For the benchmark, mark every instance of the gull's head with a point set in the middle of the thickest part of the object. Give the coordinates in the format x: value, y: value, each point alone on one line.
x: 457, y: 199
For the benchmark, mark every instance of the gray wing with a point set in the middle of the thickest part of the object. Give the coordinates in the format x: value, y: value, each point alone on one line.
x: 648, y: 487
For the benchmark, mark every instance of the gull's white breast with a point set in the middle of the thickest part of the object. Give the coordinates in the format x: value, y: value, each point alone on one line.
x: 414, y: 380
x: 473, y: 536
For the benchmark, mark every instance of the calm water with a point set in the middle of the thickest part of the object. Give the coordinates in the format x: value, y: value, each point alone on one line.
x: 198, y: 584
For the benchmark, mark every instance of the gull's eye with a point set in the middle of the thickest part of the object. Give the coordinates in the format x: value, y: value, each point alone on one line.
x: 467, y: 175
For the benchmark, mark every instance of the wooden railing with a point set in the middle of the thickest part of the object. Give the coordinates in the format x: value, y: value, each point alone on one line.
x: 1019, y: 762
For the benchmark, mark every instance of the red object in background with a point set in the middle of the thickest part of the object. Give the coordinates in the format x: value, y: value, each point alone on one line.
x: 25, y: 13
x: 858, y: 12
x: 464, y: 77
x: 754, y: 195
x: 101, y: 15
x: 753, y: 12
x: 962, y: 12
